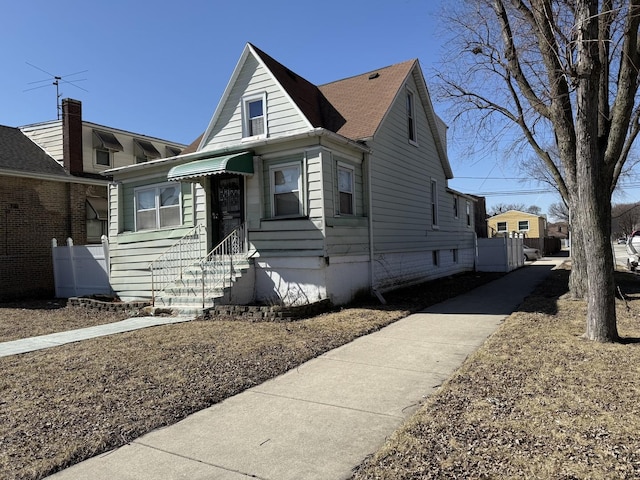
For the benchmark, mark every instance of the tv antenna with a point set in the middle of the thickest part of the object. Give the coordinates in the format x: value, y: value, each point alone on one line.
x: 56, y: 80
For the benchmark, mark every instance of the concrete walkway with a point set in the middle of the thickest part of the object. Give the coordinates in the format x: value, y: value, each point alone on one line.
x: 31, y: 344
x: 321, y: 420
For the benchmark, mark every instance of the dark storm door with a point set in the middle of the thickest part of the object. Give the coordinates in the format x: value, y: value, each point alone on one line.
x: 227, y: 205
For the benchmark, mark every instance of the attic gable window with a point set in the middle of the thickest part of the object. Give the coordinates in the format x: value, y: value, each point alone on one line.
x: 254, y: 116
x: 411, y: 118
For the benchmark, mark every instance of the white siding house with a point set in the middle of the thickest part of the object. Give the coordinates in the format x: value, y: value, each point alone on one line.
x: 332, y: 190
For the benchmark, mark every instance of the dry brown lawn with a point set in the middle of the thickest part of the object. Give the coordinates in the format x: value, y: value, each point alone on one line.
x: 40, y: 317
x: 536, y: 401
x: 62, y: 405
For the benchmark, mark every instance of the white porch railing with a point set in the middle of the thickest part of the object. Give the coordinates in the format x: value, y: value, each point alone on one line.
x: 170, y: 266
x: 218, y: 267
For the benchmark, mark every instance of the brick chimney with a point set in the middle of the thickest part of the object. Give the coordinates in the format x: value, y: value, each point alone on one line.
x: 72, y: 136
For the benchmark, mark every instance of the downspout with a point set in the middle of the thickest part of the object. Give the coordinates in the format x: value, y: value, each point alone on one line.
x: 372, y: 276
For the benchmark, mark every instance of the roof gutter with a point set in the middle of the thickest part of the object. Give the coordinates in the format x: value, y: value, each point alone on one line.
x: 236, y: 147
x: 53, y: 177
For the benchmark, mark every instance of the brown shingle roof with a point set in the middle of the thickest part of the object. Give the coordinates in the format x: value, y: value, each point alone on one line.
x: 305, y: 94
x: 352, y: 107
x: 363, y: 100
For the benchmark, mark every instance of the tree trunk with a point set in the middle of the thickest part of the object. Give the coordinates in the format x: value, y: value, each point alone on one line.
x: 578, y: 285
x: 594, y: 180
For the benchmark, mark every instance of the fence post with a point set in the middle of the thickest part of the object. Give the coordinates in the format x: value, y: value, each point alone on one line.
x: 73, y: 266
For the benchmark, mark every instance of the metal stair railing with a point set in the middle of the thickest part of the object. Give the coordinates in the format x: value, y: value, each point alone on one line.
x: 171, y: 264
x: 218, y: 266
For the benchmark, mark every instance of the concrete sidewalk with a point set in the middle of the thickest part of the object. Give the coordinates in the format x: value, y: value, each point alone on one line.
x: 40, y: 342
x: 321, y: 420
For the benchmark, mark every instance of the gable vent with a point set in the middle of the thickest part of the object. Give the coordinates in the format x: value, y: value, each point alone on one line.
x: 374, y: 75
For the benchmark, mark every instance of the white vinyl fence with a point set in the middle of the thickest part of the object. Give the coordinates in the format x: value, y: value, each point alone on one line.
x: 80, y: 270
x: 499, y: 254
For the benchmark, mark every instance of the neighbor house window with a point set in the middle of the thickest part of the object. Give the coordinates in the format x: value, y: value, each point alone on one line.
x: 158, y: 207
x: 104, y: 144
x: 411, y: 117
x: 454, y: 253
x: 523, y: 225
x: 345, y: 190
x: 286, y: 188
x: 436, y: 257
x: 434, y: 202
x: 254, y: 118
x: 455, y: 207
x: 103, y: 157
x: 501, y: 227
x: 468, y: 214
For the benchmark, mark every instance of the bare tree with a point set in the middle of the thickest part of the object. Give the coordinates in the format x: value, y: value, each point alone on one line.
x: 562, y: 73
x: 559, y: 211
x: 626, y: 216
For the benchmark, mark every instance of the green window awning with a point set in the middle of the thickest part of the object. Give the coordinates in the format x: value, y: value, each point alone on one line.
x: 238, y: 163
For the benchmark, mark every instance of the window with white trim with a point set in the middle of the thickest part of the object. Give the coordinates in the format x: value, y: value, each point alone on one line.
x: 501, y: 227
x: 434, y: 202
x: 523, y: 225
x: 158, y: 206
x: 411, y: 118
x: 468, y: 206
x: 345, y: 190
x: 254, y: 115
x: 286, y: 189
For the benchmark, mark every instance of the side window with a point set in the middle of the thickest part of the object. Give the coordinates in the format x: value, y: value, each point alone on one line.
x: 254, y: 117
x: 434, y: 202
x: 286, y: 190
x: 523, y: 225
x: 411, y: 118
x: 345, y: 190
x: 158, y: 207
x: 455, y: 207
x: 468, y: 214
x: 501, y: 227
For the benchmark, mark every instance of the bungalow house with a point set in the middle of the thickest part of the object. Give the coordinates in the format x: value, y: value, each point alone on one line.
x: 528, y: 225
x: 298, y: 193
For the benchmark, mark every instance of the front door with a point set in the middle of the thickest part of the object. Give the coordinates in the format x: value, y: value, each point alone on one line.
x: 227, y: 205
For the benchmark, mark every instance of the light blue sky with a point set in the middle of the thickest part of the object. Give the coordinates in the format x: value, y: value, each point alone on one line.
x: 160, y: 67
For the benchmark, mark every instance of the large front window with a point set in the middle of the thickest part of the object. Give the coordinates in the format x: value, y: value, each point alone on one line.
x: 158, y: 207
x: 286, y: 190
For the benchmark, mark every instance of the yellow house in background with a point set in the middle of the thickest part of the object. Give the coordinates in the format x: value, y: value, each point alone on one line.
x: 514, y: 221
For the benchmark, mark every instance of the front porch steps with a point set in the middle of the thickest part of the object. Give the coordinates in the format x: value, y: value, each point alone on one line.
x: 185, y: 295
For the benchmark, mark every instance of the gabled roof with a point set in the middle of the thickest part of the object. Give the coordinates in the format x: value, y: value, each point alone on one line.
x: 519, y: 213
x: 353, y: 108
x: 19, y: 154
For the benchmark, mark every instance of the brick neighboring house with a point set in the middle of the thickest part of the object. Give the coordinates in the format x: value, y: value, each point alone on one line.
x: 51, y: 186
x: 39, y: 201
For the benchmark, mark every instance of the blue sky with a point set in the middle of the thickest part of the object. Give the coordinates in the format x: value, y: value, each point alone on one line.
x: 159, y: 68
